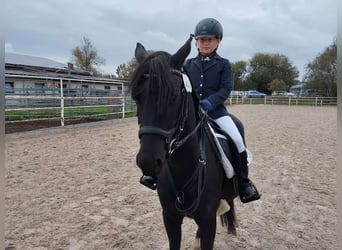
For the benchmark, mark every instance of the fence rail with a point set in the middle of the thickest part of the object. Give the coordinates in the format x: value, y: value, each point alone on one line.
x: 63, y: 108
x: 29, y: 108
x: 274, y: 100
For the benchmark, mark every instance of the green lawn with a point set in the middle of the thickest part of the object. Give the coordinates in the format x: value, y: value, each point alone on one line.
x: 93, y: 113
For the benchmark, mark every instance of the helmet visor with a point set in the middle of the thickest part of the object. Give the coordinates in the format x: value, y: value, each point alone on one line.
x: 205, y: 36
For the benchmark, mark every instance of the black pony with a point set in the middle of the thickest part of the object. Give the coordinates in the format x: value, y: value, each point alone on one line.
x: 177, y: 148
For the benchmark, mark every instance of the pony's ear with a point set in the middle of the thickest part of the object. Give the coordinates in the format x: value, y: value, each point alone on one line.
x: 179, y: 57
x: 140, y: 53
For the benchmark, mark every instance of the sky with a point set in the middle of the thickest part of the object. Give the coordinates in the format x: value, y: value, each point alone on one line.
x: 298, y: 29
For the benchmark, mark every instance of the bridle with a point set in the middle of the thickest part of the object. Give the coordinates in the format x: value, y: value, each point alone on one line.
x: 172, y: 136
x: 196, y: 183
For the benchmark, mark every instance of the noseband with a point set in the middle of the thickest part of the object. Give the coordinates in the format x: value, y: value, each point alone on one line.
x: 172, y: 136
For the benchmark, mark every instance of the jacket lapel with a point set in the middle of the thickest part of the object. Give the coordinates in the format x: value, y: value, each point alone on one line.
x: 207, y: 65
x: 213, y: 61
x: 198, y: 63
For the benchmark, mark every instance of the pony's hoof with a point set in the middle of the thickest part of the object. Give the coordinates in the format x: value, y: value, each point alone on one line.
x: 232, y: 231
x: 223, y: 208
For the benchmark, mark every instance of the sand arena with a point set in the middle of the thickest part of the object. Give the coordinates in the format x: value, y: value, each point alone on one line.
x: 77, y: 187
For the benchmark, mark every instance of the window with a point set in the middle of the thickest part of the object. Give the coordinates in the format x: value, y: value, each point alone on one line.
x: 84, y: 90
x: 9, y: 87
x: 39, y: 88
x: 107, y: 87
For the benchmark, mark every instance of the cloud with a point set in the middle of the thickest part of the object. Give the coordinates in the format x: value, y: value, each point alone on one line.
x: 161, y: 37
x: 297, y: 29
x: 9, y: 48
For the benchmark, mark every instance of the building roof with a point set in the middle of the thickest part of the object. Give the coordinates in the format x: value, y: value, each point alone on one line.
x: 17, y: 65
x: 18, y: 59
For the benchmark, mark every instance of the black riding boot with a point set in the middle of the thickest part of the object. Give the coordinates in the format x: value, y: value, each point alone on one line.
x: 247, y: 190
x: 149, y: 182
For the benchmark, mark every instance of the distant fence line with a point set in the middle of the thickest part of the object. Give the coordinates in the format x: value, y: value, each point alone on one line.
x: 275, y: 100
x: 113, y: 105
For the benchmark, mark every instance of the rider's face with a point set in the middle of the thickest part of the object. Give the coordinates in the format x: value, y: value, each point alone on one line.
x: 207, y: 45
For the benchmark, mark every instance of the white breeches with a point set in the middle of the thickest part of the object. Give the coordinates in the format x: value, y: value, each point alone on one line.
x: 227, y: 124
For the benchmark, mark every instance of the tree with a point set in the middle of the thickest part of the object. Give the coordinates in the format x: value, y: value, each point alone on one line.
x: 125, y: 71
x: 85, y: 57
x: 321, y: 73
x: 277, y: 85
x: 263, y: 68
x: 239, y: 69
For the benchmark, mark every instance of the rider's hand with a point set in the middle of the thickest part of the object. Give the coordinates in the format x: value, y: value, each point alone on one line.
x: 206, y: 105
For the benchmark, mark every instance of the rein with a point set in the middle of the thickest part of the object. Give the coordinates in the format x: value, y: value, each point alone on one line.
x: 174, y: 144
x: 198, y: 177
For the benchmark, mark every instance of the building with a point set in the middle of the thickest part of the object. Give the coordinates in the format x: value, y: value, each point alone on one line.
x: 31, y: 75
x: 297, y: 90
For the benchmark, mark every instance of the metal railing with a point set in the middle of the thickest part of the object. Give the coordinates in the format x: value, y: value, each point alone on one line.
x: 109, y: 105
x: 75, y: 104
x: 275, y: 100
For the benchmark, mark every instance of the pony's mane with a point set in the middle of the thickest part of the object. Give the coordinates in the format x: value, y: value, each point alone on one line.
x: 154, y: 73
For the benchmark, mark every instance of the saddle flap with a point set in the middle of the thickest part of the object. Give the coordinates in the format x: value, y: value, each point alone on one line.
x: 227, y: 165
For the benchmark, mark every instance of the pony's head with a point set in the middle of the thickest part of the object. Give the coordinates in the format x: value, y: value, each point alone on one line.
x: 158, y: 90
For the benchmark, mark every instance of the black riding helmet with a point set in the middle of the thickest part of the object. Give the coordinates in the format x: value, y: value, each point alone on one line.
x: 209, y: 27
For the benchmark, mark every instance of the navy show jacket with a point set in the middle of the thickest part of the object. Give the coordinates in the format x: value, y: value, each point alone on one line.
x: 212, y: 79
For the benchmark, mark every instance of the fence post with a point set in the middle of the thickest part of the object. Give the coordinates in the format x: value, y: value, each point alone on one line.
x: 62, y: 102
x: 123, y: 106
x: 123, y: 99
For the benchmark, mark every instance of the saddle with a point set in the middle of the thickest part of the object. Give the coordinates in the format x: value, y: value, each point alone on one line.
x: 223, y: 144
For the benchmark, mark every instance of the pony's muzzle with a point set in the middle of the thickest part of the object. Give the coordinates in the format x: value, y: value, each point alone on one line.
x: 151, y: 165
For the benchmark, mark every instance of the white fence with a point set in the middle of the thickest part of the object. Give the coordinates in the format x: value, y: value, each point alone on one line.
x: 273, y: 100
x: 56, y: 106
x: 38, y: 107
x: 65, y: 99
x: 52, y: 104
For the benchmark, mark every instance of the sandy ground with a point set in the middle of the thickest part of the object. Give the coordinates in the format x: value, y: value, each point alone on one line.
x: 77, y: 187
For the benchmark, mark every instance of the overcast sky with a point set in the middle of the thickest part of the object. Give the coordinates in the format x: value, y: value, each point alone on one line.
x: 299, y: 29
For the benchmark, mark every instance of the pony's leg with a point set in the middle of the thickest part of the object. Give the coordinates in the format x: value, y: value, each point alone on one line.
x: 207, y: 231
x: 231, y: 218
x: 173, y: 226
x: 228, y: 219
